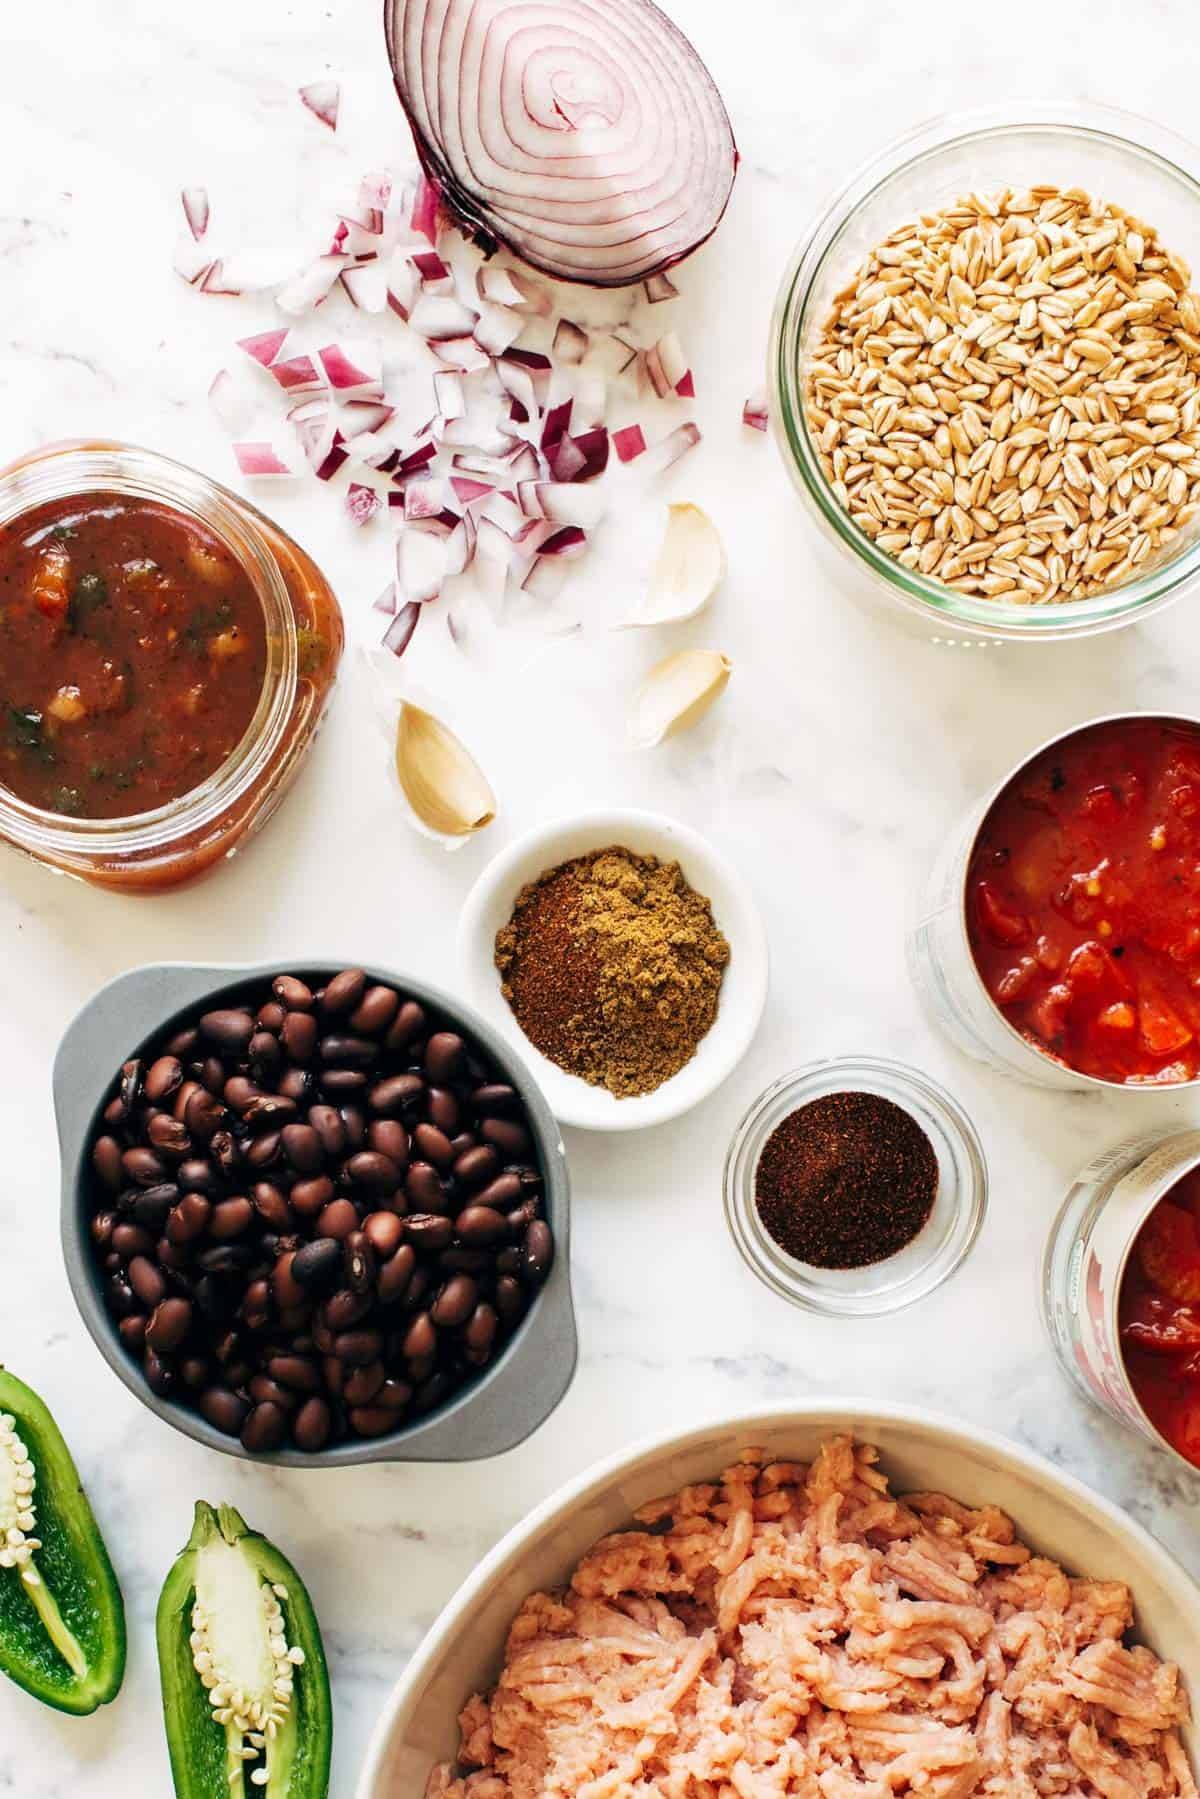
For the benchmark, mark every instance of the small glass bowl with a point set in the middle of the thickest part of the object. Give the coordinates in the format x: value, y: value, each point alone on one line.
x: 923, y: 1264
x: 1127, y: 160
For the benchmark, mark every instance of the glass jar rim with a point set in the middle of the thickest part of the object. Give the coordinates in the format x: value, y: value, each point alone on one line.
x: 84, y: 469
x: 1136, y: 136
x: 930, y: 1105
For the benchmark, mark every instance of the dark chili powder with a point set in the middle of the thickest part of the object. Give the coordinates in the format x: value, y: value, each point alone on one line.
x: 845, y: 1181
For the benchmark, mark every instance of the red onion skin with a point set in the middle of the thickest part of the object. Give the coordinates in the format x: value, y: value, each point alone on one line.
x: 479, y: 224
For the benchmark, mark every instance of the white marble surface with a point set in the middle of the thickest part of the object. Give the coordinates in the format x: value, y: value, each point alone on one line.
x: 839, y: 756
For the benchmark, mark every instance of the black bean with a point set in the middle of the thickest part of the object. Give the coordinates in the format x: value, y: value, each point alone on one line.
x: 160, y: 1376
x: 390, y: 1138
x: 189, y: 1219
x: 432, y: 1391
x: 396, y: 1274
x: 297, y: 1084
x: 132, y: 1332
x: 197, y: 1176
x: 104, y: 1223
x: 168, y: 1136
x: 227, y: 1258
x: 371, y: 1169
x: 399, y: 1093
x: 420, y: 1340
x: 348, y: 1052
x: 263, y: 1389
x: 480, y: 1225
x: 495, y: 1096
x: 143, y: 1166
x: 427, y: 1232
x: 480, y: 1332
x: 265, y: 1427
x: 363, y: 1383
x: 343, y: 1310
x: 292, y: 993
x: 384, y: 1231
x: 433, y: 1145
x: 302, y: 1147
x: 224, y: 1410
x: 266, y: 1056
x: 183, y: 1043
x: 270, y: 1017
x: 326, y: 1121
x: 455, y: 1303
x: 343, y: 992
x: 169, y: 1324
x: 299, y: 1036
x: 510, y: 1138
x: 443, y: 1110
x: 410, y: 1024
x: 272, y: 1207
x: 295, y: 1372
x: 162, y: 1078
x: 375, y: 1011
x: 229, y: 1028
x: 106, y: 1160
x: 146, y: 1281
x: 309, y: 1198
x: 539, y: 1249
x: 311, y: 1425
x: 129, y: 1091
x: 232, y: 1218
x: 371, y: 1421
x: 360, y: 1262
x: 131, y: 1240
x: 444, y: 1056
x: 338, y: 1219
x: 457, y: 1260
x: 152, y: 1205
x: 264, y: 1151
x: 318, y: 1265
x: 203, y: 1115
x: 343, y: 1083
x: 225, y: 1151
x: 269, y: 1111
x: 475, y: 1167
x: 287, y: 1289
x: 354, y: 1123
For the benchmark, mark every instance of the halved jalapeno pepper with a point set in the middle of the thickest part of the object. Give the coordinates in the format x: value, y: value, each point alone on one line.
x: 62, y: 1620
x: 244, y: 1683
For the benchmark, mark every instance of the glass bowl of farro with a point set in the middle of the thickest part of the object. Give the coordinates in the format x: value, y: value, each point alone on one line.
x: 985, y: 372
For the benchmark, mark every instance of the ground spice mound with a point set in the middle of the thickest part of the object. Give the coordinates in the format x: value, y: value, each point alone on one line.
x: 612, y: 965
x: 845, y: 1181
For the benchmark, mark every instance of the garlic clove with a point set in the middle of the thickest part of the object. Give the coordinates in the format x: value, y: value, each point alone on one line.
x: 675, y: 693
x: 689, y: 569
x: 442, y: 782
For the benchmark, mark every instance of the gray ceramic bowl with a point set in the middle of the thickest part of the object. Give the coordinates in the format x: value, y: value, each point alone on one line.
x: 516, y: 1394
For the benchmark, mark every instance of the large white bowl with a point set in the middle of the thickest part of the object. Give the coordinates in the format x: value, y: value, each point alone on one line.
x: 1054, y: 1513
x: 489, y: 906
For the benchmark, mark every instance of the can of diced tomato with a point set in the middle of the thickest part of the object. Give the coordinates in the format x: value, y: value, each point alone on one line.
x: 1087, y: 1261
x: 941, y: 961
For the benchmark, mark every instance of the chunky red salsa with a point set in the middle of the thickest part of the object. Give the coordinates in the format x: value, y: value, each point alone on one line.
x: 1160, y: 1317
x: 132, y: 655
x: 1083, y: 901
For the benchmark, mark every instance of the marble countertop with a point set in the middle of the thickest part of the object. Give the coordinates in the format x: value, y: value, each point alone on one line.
x: 831, y: 770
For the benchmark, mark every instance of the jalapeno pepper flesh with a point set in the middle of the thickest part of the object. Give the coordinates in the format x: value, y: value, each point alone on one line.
x: 244, y: 1683
x: 62, y: 1619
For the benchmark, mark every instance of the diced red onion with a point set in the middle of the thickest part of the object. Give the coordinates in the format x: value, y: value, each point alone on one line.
x: 353, y: 368
x: 566, y: 503
x: 629, y: 442
x: 545, y: 577
x: 258, y: 459
x: 265, y: 347
x: 433, y: 274
x: 448, y: 392
x: 195, y: 210
x: 306, y: 289
x: 755, y: 412
x: 508, y: 516
x: 677, y: 444
x: 591, y: 139
x: 375, y: 190
x: 420, y: 564
x: 469, y: 491
x: 685, y: 387
x: 497, y: 286
x: 323, y: 98
x: 568, y: 541
x: 298, y: 375
x: 570, y: 341
x: 567, y: 460
x: 398, y: 635
x: 366, y: 415
x: 497, y: 329
x: 440, y: 316
x: 362, y: 503
x: 191, y: 263
x: 424, y: 498
x: 229, y: 402
x: 660, y: 287
x: 471, y: 433
x: 593, y: 447
x: 463, y: 354
x: 366, y: 287
x: 386, y: 601
x: 555, y: 423
x: 591, y: 398
x: 416, y: 459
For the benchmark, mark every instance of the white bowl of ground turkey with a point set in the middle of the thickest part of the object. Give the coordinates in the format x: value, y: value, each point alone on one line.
x: 920, y: 1453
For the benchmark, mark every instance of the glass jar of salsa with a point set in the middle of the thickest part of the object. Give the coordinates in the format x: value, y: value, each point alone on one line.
x: 168, y: 652
x: 1061, y: 932
x: 1121, y: 1287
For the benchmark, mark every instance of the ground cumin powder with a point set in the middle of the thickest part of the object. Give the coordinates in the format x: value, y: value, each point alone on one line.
x: 613, y: 967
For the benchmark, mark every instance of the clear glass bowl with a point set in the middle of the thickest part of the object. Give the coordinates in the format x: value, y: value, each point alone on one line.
x: 931, y: 1257
x: 1127, y: 160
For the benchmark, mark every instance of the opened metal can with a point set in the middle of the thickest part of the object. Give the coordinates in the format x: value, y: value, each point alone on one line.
x: 1086, y: 1258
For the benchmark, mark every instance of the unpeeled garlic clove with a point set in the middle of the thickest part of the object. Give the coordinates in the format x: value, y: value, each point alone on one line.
x: 442, y: 781
x: 675, y: 693
x: 689, y: 569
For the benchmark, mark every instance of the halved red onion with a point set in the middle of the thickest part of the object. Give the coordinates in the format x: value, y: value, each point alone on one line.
x: 585, y: 134
x: 323, y: 98
x: 195, y: 210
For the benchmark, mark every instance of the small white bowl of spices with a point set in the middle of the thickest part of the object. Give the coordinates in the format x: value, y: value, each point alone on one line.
x: 625, y: 958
